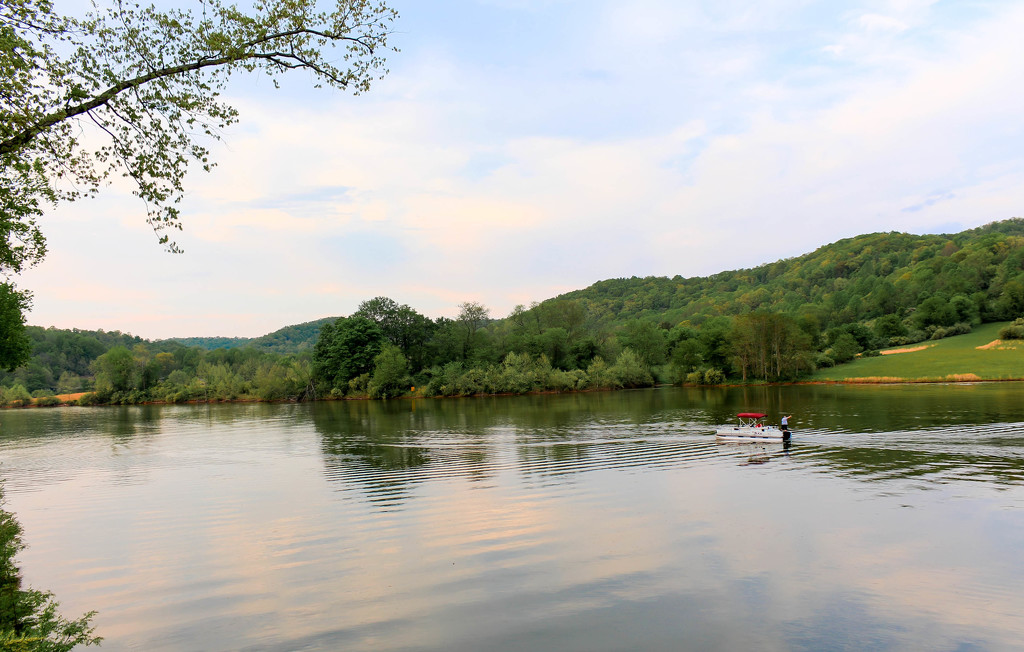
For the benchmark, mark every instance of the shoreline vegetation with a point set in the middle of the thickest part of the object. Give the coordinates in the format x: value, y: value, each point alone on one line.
x: 80, y: 399
x: 872, y: 380
x: 74, y: 400
x: 875, y: 309
x: 959, y: 343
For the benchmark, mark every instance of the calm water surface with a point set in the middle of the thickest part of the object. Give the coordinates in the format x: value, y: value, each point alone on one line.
x: 606, y: 521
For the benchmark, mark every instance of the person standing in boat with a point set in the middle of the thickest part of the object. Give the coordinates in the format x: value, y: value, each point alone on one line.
x: 784, y: 427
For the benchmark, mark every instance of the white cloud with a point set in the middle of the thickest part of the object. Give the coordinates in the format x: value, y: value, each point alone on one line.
x: 877, y: 22
x: 462, y: 180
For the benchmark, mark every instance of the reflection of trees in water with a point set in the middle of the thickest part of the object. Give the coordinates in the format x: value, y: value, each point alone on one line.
x: 555, y: 459
x: 945, y: 432
x: 226, y: 414
x: 385, y: 446
x: 727, y: 402
x: 876, y: 408
x: 372, y: 444
x: 120, y: 422
x: 572, y: 416
x: 369, y: 431
x: 128, y: 421
x: 376, y: 454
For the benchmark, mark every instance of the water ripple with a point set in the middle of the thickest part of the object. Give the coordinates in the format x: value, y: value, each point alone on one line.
x: 573, y: 526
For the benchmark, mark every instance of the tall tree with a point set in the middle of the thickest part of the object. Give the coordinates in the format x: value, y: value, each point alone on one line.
x: 390, y: 369
x: 384, y: 311
x: 15, y: 346
x: 346, y: 349
x: 472, y: 317
x: 645, y: 339
x: 401, y: 325
x: 116, y: 371
x: 134, y: 91
x: 769, y: 346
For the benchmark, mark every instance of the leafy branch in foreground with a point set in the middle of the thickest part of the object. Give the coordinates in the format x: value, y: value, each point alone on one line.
x: 133, y: 89
x: 28, y: 618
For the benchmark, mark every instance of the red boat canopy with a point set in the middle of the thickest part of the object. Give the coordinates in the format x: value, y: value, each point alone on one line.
x: 751, y: 415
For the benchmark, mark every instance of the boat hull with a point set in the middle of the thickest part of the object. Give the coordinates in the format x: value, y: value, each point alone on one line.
x: 747, y: 433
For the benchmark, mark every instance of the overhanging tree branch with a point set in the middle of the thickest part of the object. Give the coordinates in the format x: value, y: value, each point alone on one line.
x: 21, y: 139
x: 148, y: 97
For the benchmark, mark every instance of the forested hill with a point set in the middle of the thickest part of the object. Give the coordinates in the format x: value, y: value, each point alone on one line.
x: 211, y: 343
x: 778, y: 321
x: 63, y: 360
x: 855, y: 279
x: 290, y: 339
x: 69, y: 352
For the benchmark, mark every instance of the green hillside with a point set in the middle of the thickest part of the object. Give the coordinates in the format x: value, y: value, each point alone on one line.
x: 820, y: 316
x: 211, y: 343
x: 64, y: 353
x: 974, y: 356
x: 855, y: 279
x: 63, y: 359
x: 290, y: 339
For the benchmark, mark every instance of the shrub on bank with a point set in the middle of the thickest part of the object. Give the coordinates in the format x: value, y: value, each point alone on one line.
x: 16, y: 396
x: 714, y: 377
x: 518, y: 373
x: 705, y: 377
x: 959, y: 328
x: 569, y: 381
x: 599, y: 374
x: 390, y: 373
x: 1014, y: 331
x: 629, y: 370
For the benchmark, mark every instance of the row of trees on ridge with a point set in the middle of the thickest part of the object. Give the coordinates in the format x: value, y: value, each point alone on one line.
x: 822, y: 310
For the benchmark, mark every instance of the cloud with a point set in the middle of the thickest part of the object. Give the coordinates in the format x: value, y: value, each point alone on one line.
x: 713, y: 140
x: 879, y: 23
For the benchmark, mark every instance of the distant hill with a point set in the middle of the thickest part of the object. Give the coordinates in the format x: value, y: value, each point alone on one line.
x: 290, y: 339
x: 211, y: 343
x: 56, y: 351
x: 855, y: 279
x: 69, y: 354
x: 855, y: 295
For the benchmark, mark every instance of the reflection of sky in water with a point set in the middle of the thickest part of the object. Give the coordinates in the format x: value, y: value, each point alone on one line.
x: 587, y: 522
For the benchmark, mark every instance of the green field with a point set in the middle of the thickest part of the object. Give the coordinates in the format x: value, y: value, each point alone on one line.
x: 950, y: 359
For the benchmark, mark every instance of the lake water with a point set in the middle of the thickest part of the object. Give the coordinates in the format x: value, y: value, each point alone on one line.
x: 599, y: 521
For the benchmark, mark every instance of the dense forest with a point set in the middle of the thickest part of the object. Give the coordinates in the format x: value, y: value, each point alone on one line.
x: 856, y: 279
x: 774, y: 322
x: 290, y: 339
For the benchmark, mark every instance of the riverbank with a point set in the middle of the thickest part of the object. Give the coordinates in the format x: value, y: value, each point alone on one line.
x: 978, y: 356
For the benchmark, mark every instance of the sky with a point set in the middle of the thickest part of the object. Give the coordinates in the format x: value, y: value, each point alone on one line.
x: 520, y: 149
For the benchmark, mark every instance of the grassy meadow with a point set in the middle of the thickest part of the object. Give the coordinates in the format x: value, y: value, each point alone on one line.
x: 974, y: 356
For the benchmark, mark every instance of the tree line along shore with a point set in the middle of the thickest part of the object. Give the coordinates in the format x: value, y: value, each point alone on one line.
x: 821, y: 316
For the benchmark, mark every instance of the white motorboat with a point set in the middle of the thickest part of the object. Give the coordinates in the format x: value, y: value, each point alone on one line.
x: 751, y: 427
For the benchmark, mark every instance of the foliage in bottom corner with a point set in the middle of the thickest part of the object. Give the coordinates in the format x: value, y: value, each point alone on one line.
x: 29, y: 621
